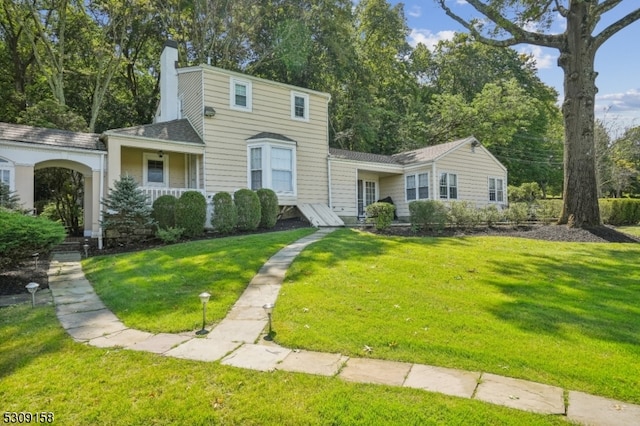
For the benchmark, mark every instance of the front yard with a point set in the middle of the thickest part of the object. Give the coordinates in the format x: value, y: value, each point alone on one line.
x: 558, y: 313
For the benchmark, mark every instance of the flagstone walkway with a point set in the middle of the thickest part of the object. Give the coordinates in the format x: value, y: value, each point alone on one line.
x: 238, y: 341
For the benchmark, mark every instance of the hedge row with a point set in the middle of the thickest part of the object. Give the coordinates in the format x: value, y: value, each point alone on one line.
x: 246, y: 210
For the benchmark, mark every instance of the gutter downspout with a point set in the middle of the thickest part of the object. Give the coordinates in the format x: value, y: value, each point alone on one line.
x: 329, y: 178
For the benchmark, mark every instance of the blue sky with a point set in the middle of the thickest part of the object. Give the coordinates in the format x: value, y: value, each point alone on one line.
x: 617, y: 61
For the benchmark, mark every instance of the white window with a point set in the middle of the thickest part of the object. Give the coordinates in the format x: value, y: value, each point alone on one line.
x: 367, y: 194
x: 299, y: 106
x: 155, y: 170
x: 496, y: 190
x: 272, y: 165
x: 448, y: 186
x: 241, y: 98
x: 7, y: 171
x: 417, y: 186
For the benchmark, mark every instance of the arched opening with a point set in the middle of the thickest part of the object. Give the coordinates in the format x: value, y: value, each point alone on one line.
x: 60, y: 193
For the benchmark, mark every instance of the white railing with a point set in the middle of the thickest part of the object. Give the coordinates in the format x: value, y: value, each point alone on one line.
x: 154, y: 193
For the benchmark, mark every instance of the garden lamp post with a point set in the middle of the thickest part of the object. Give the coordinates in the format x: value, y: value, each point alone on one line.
x: 35, y: 259
x: 269, y: 310
x: 33, y: 287
x: 204, y: 298
x: 86, y: 248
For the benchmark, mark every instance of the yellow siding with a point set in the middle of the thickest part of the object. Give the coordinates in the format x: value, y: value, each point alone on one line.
x: 344, y: 189
x: 473, y: 170
x: 225, y: 135
x: 190, y: 91
x: 132, y: 165
x: 393, y: 186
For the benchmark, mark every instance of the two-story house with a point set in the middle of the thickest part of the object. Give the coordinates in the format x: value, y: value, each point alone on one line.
x: 217, y: 130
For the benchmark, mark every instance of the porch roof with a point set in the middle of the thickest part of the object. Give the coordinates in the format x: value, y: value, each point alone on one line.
x: 50, y: 137
x: 170, y: 131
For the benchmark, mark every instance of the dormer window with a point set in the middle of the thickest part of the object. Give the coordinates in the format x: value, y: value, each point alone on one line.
x: 299, y: 106
x: 240, y: 98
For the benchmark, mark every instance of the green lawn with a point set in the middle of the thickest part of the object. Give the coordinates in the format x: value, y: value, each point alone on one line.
x: 43, y: 369
x: 157, y: 290
x: 558, y: 313
x: 632, y: 230
x: 565, y: 314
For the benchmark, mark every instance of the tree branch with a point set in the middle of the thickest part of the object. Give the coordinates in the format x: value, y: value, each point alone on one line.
x: 519, y: 35
x: 612, y: 29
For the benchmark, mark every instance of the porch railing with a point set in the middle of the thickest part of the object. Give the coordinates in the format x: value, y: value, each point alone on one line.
x: 154, y: 193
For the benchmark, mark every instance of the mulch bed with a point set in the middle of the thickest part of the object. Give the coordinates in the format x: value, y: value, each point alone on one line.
x: 14, y: 281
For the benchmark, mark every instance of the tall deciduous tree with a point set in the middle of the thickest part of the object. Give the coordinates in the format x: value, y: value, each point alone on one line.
x: 514, y: 22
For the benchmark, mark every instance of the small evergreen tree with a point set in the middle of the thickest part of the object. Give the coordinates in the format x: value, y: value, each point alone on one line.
x: 8, y: 199
x: 248, y: 208
x: 191, y: 213
x: 225, y: 216
x: 127, y: 211
x: 269, y: 207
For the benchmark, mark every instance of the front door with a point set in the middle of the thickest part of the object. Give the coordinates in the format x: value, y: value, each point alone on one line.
x: 366, y: 195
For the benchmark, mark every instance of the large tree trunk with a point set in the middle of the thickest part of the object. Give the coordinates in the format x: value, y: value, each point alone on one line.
x: 580, y: 191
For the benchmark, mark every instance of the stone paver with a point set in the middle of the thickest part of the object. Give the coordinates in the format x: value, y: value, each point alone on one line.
x: 443, y: 380
x: 231, y: 342
x: 159, y: 343
x: 319, y: 363
x: 124, y: 339
x: 376, y: 371
x: 256, y: 357
x: 200, y: 349
x: 595, y: 410
x: 521, y: 394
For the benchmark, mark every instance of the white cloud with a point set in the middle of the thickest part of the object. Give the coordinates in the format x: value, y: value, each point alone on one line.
x: 543, y: 58
x: 415, y: 12
x: 621, y: 110
x: 428, y: 38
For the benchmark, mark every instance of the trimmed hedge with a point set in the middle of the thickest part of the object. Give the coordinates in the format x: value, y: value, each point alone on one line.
x: 248, y: 208
x: 381, y: 213
x: 269, y: 207
x: 225, y: 216
x: 191, y: 213
x: 21, y: 236
x: 164, y: 211
x: 620, y: 211
x: 428, y: 215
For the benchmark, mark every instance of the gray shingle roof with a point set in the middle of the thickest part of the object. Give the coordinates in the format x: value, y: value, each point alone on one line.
x: 173, y: 131
x: 51, y: 137
x: 269, y: 135
x: 428, y: 153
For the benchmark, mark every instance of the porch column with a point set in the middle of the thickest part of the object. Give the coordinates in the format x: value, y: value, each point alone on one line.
x: 24, y: 185
x: 92, y: 204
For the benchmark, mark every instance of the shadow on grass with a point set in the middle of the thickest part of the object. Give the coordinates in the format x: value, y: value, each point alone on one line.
x: 599, y: 297
x: 27, y: 333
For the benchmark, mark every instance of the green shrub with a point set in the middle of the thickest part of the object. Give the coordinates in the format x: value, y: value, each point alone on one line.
x: 169, y: 235
x: 547, y: 211
x: 381, y: 214
x: 164, y: 211
x: 248, y: 208
x: 527, y: 192
x: 269, y: 207
x: 463, y: 214
x: 622, y: 211
x: 225, y: 216
x: 191, y: 213
x: 491, y: 215
x: 517, y: 213
x: 428, y: 215
x: 22, y: 235
x: 127, y: 214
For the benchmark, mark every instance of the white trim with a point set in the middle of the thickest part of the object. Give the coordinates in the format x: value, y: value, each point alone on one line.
x: 448, y: 197
x: 267, y: 172
x: 504, y: 190
x: 146, y: 156
x: 303, y: 96
x: 8, y: 165
x: 416, y: 176
x: 233, y: 81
